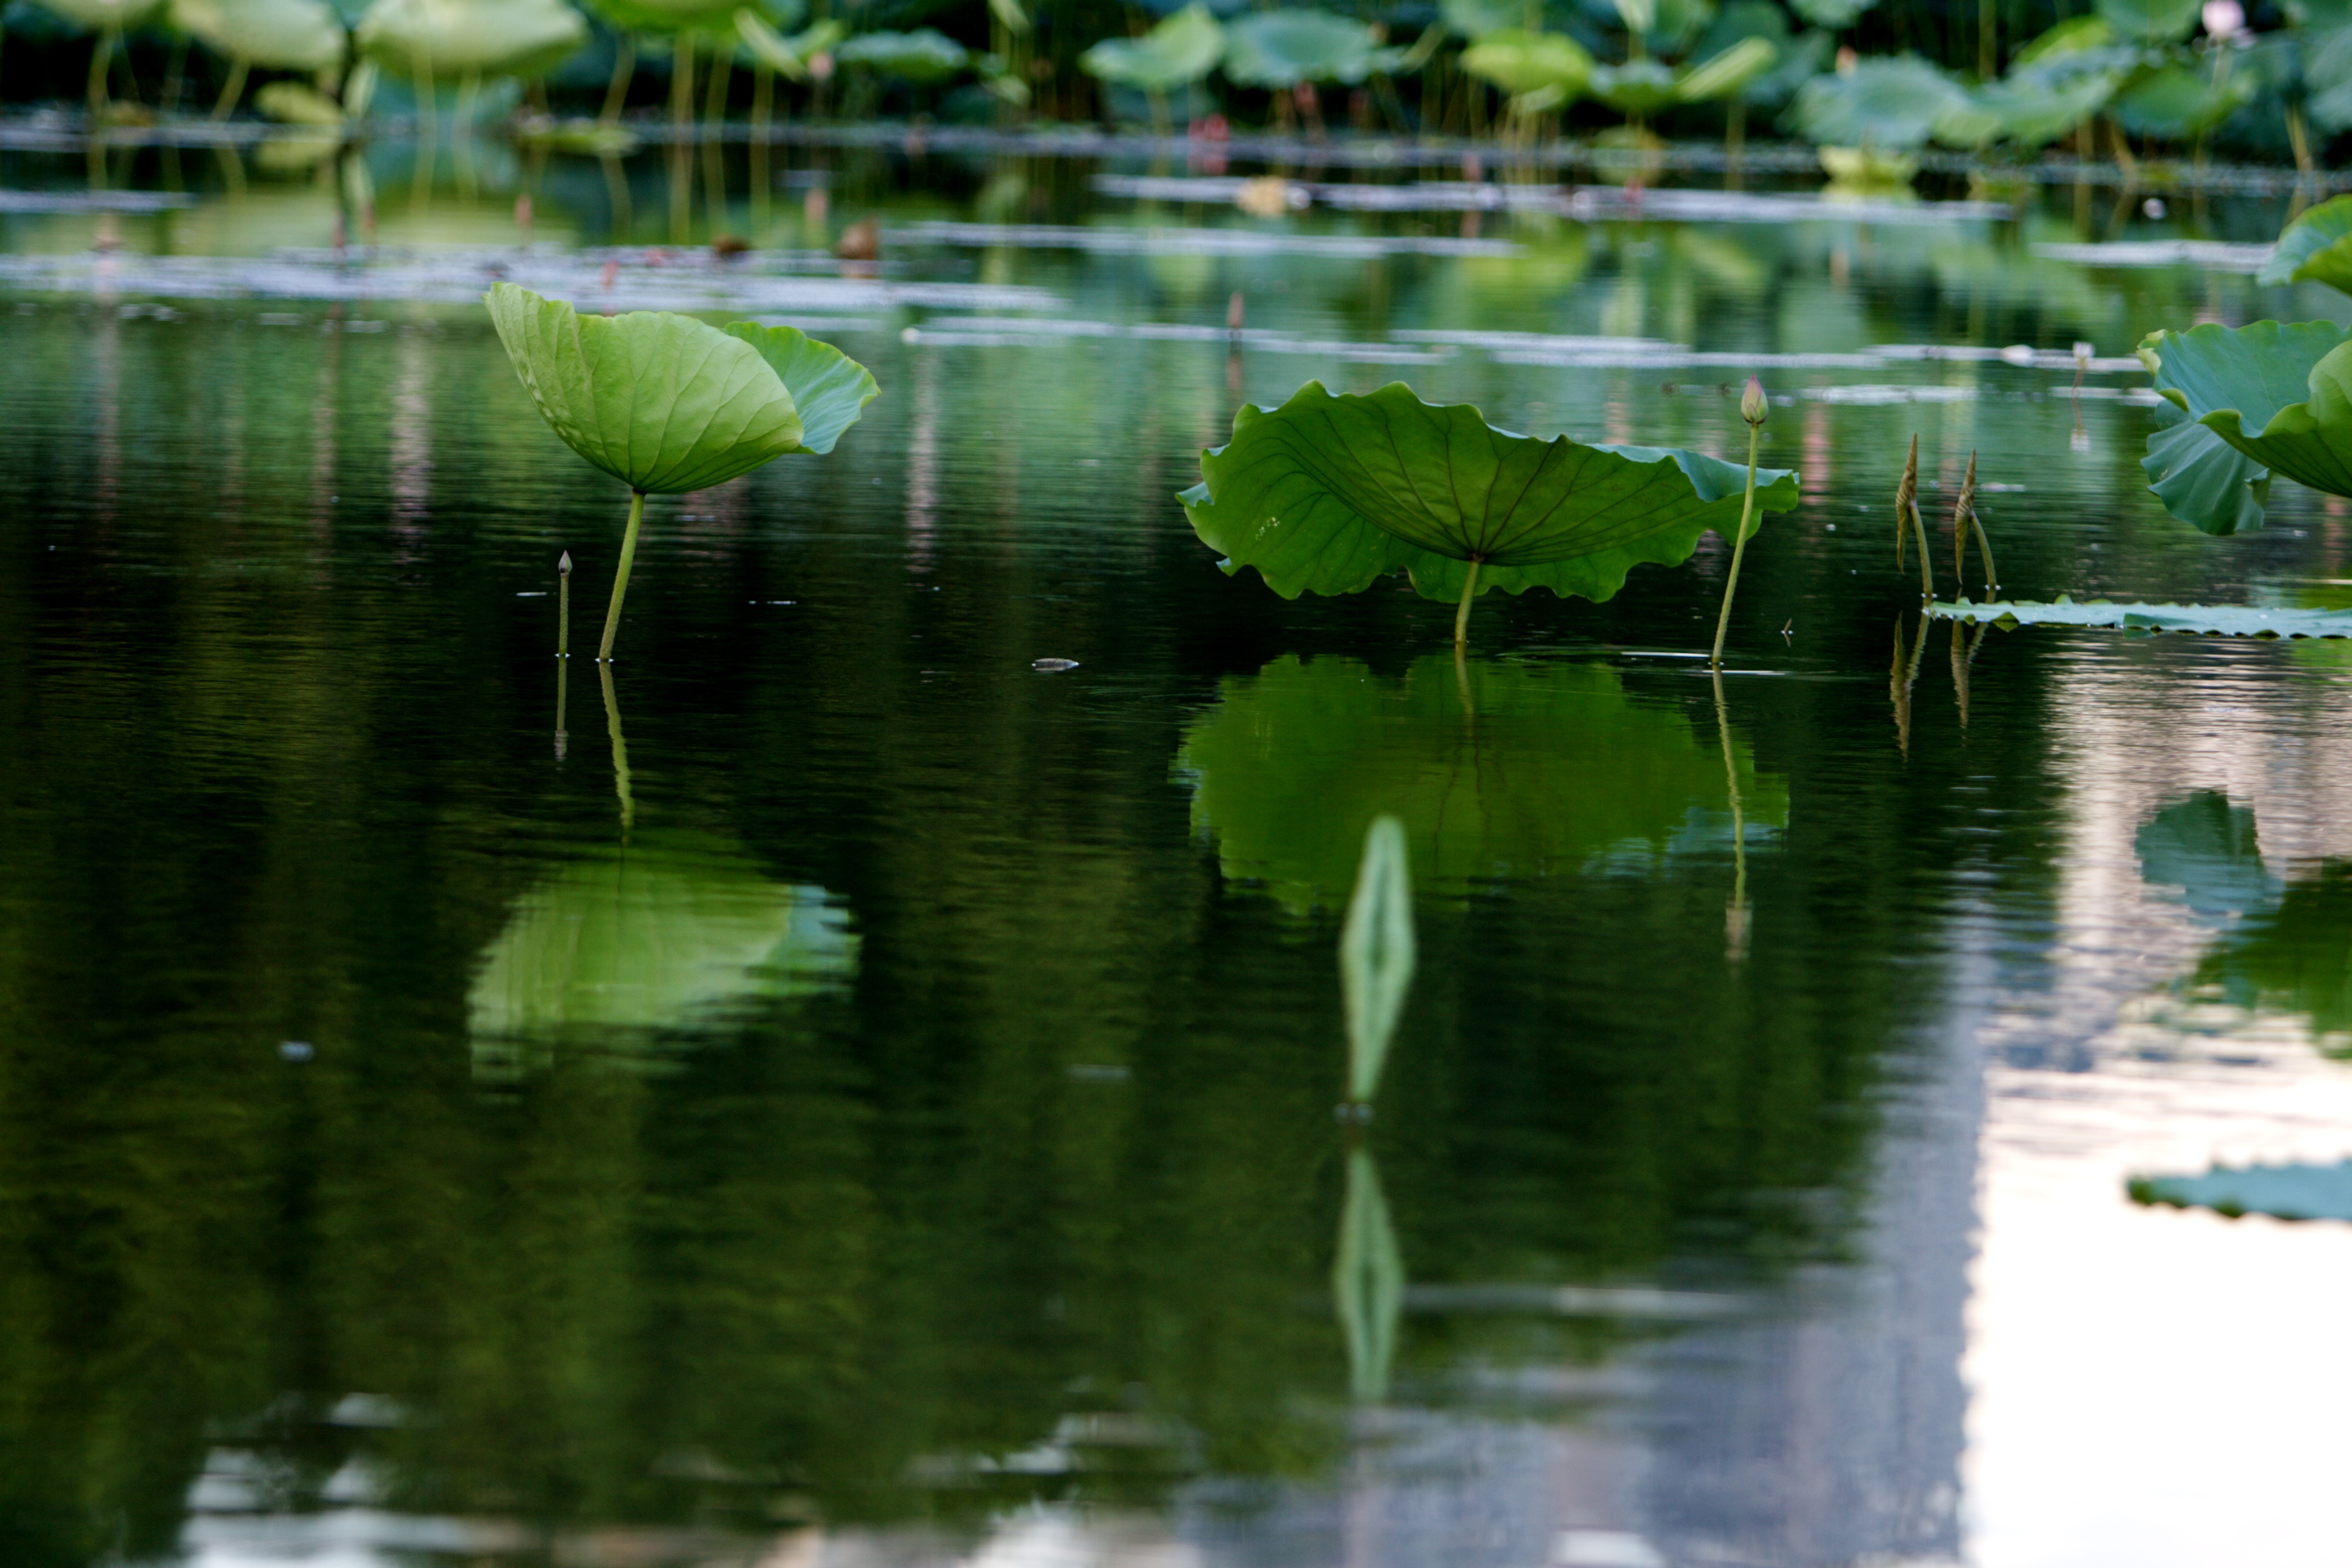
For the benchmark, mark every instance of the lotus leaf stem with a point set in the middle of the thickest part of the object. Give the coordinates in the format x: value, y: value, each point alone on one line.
x: 563, y: 606
x: 1739, y: 550
x: 232, y: 90
x: 621, y: 576
x: 1461, y: 613
x: 624, y: 70
x: 101, y: 55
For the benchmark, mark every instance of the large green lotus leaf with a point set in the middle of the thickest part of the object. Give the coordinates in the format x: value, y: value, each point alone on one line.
x: 1518, y: 61
x: 282, y: 35
x: 450, y: 39
x: 1327, y: 493
x: 2280, y: 393
x: 2317, y: 246
x: 829, y: 390
x: 2148, y: 22
x: 660, y: 402
x: 2203, y: 620
x: 2069, y: 37
x: 670, y: 17
x: 1550, y: 768
x: 1283, y: 49
x: 651, y: 936
x: 1477, y: 18
x: 2179, y: 102
x: 2202, y: 480
x: 922, y: 57
x: 1728, y: 74
x: 1181, y: 50
x: 1637, y: 86
x: 1888, y: 105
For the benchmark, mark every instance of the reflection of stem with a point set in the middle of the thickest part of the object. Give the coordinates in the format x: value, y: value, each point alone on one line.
x: 617, y: 192
x: 620, y: 751
x: 624, y: 67
x: 620, y: 577
x: 1368, y: 1280
x: 563, y: 606
x: 714, y: 116
x: 1739, y: 549
x: 1462, y: 614
x: 1964, y: 653
x: 1899, y: 683
x: 1734, y: 916
x: 101, y: 55
x: 562, y: 685
x: 231, y: 91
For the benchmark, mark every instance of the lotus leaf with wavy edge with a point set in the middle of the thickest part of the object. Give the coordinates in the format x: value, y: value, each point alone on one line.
x: 1326, y: 494
x: 2317, y: 246
x: 2280, y: 393
x: 1181, y: 50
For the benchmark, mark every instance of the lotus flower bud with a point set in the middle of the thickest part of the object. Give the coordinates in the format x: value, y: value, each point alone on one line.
x: 1753, y: 404
x: 2223, y: 19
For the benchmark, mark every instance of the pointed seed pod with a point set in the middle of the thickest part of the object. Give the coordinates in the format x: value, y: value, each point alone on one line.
x: 1906, y: 494
x: 1754, y: 406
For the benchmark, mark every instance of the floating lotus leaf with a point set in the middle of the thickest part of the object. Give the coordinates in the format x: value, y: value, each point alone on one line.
x: 1518, y: 61
x: 2202, y: 480
x: 1283, y: 49
x: 282, y: 35
x: 652, y: 936
x: 1327, y: 493
x: 2281, y: 393
x: 1728, y: 73
x: 1886, y: 105
x: 2317, y: 246
x: 1178, y: 52
x: 922, y: 57
x: 450, y: 39
x: 292, y: 103
x: 1550, y: 768
x: 664, y: 403
x: 2218, y: 620
x: 2148, y: 22
x: 2284, y: 1191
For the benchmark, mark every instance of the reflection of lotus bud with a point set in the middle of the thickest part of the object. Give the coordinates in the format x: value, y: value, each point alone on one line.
x: 2224, y: 18
x: 1753, y: 407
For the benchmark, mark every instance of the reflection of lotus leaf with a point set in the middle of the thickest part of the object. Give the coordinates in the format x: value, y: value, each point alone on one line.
x: 2297, y: 956
x: 1556, y: 770
x: 2289, y: 1191
x: 651, y: 936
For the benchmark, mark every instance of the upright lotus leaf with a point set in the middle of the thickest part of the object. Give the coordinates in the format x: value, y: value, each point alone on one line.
x: 1283, y: 49
x: 788, y: 57
x: 279, y: 35
x: 829, y: 390
x: 1728, y: 74
x: 2317, y: 246
x: 2180, y: 102
x: 1178, y: 52
x: 1518, y: 61
x: 2281, y: 393
x: 1473, y: 19
x: 1640, y: 88
x: 923, y: 57
x: 2148, y: 23
x: 1327, y: 493
x: 1835, y: 15
x: 1495, y: 770
x: 2202, y: 480
x: 2032, y: 107
x: 429, y: 39
x: 102, y: 15
x: 665, y: 405
x: 669, y: 16
x: 2071, y: 35
x: 1888, y: 105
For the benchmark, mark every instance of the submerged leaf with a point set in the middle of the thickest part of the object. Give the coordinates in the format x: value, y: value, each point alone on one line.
x: 1327, y: 493
x: 2202, y: 480
x: 666, y: 404
x: 2317, y: 246
x: 2281, y: 393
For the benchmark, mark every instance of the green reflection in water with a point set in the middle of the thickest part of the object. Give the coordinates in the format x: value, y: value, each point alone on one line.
x: 1495, y: 770
x: 674, y: 926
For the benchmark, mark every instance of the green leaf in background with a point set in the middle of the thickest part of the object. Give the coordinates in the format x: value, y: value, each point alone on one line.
x: 2281, y: 393
x: 658, y: 400
x: 1728, y: 74
x: 434, y: 39
x: 787, y: 57
x: 1835, y: 15
x: 1518, y: 61
x: 664, y: 933
x: 1884, y: 105
x: 2180, y: 102
x: 102, y: 15
x: 292, y: 104
x: 1179, y: 51
x: 1638, y: 87
x: 1283, y: 49
x: 829, y: 390
x: 2202, y: 480
x: 278, y: 35
x: 1496, y: 770
x: 1474, y: 19
x: 2148, y: 22
x: 2315, y: 247
x: 1326, y: 494
x: 2069, y: 37
x: 2218, y: 620
x: 923, y: 57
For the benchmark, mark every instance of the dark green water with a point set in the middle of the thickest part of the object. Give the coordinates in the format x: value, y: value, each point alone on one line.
x: 904, y: 1126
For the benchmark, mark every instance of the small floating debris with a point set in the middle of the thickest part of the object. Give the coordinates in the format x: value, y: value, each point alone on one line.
x: 2203, y: 620
x: 1052, y: 666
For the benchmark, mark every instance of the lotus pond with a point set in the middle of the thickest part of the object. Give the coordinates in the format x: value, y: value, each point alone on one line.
x: 853, y: 1080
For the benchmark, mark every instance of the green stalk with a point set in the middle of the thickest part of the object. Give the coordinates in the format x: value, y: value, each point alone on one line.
x: 231, y: 91
x: 101, y: 55
x: 563, y: 606
x: 624, y: 69
x: 1462, y: 614
x: 620, y: 577
x: 1739, y: 550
